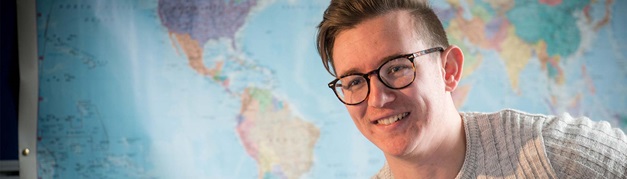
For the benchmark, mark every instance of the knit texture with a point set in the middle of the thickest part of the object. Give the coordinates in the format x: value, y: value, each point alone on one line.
x: 514, y: 144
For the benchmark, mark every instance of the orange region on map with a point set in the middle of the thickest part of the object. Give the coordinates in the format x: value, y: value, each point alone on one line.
x: 473, y: 30
x: 281, y: 143
x: 194, y: 52
x: 549, y: 62
x: 471, y: 60
x: 607, y: 17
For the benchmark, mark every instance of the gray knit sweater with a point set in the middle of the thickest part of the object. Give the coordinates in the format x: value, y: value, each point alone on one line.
x: 514, y: 144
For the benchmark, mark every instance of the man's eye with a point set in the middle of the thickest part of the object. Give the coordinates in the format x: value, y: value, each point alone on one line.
x: 354, y: 83
x: 399, y: 69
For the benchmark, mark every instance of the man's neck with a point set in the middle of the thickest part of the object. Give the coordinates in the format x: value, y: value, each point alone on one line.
x: 445, y: 161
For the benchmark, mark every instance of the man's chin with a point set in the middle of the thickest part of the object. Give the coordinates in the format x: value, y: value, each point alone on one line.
x: 394, y: 150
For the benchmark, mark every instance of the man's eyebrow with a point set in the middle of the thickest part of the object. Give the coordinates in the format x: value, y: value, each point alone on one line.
x: 354, y: 71
x: 351, y: 71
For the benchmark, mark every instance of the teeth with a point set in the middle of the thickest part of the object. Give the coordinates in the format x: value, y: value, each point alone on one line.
x: 390, y: 120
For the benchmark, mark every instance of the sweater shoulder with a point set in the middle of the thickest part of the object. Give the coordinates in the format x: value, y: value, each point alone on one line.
x: 506, y: 143
x: 582, y: 148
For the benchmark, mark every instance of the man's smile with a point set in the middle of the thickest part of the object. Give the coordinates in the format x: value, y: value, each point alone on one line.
x: 391, y: 119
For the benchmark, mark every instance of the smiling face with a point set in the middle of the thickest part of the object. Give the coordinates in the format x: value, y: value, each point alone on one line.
x: 405, y: 122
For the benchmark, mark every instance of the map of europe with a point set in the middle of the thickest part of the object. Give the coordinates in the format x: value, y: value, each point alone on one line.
x: 235, y: 89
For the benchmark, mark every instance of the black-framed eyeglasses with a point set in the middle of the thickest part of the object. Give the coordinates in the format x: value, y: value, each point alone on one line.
x: 395, y: 73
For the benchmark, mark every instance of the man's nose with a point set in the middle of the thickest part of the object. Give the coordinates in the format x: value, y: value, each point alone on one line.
x: 380, y: 95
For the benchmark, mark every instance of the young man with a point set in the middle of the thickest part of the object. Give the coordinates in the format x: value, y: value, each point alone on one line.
x: 395, y: 72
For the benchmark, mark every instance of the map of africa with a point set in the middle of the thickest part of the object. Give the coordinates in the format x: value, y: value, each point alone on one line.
x: 235, y: 89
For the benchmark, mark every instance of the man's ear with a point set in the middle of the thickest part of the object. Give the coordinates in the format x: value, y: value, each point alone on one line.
x: 452, y: 62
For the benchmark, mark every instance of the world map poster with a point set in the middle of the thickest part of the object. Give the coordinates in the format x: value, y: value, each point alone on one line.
x: 235, y: 88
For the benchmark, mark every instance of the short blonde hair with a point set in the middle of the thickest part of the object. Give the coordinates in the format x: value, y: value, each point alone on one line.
x: 346, y: 14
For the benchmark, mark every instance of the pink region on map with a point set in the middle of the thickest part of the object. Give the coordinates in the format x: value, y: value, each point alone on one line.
x: 551, y: 2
